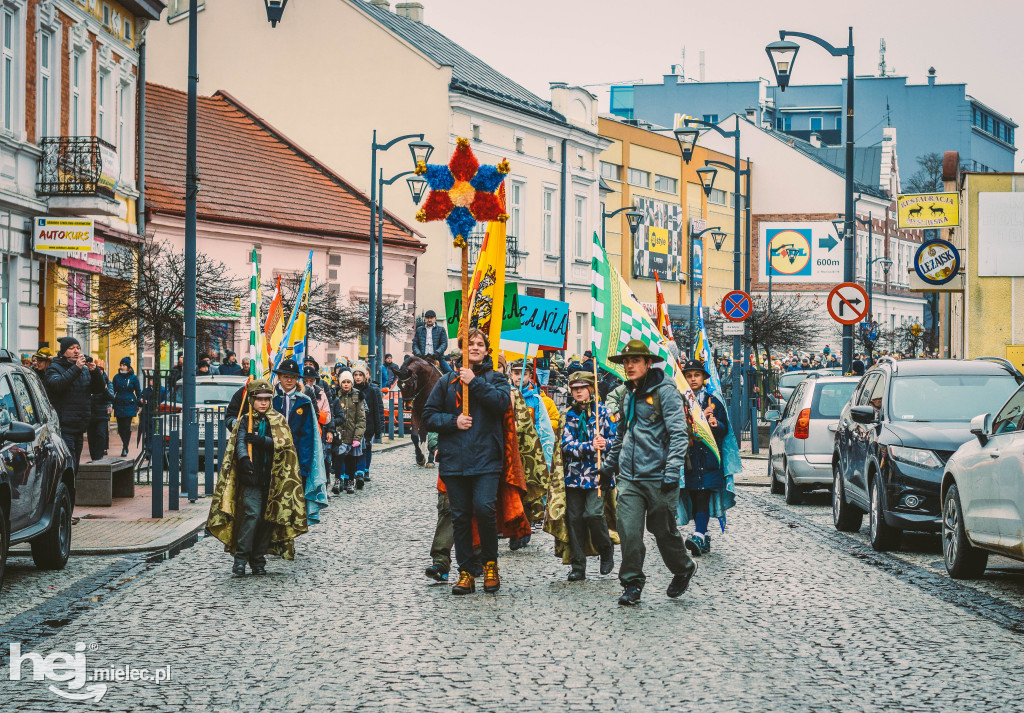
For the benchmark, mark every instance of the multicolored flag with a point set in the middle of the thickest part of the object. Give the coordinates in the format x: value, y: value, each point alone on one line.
x: 293, y: 340
x: 661, y: 308
x: 273, y: 327
x: 488, y: 283
x: 255, y: 333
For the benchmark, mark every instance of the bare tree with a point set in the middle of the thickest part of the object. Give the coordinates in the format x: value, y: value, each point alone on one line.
x: 393, y: 319
x: 928, y: 178
x: 324, y: 316
x: 792, y: 321
x: 142, y: 295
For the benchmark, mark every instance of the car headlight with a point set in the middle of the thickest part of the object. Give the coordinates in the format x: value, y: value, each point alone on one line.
x: 916, y: 456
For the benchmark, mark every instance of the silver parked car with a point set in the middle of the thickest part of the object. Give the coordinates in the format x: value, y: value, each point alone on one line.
x: 801, y: 447
x: 983, y: 493
x: 788, y: 381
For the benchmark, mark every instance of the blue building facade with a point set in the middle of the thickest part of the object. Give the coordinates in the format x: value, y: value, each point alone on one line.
x: 929, y: 118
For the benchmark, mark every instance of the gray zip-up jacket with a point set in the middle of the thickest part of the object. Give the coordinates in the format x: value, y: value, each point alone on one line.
x: 647, y: 447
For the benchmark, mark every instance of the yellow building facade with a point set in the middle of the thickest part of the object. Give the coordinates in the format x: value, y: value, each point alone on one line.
x: 644, y: 168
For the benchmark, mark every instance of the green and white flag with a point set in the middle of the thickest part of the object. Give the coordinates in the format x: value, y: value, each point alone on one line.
x: 618, y: 317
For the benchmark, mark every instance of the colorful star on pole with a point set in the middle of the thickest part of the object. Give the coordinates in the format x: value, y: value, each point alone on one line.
x: 463, y: 193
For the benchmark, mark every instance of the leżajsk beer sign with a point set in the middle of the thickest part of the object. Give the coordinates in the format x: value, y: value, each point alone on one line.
x: 928, y: 210
x: 658, y: 246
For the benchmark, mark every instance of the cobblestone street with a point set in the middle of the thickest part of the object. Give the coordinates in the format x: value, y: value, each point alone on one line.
x: 784, y: 615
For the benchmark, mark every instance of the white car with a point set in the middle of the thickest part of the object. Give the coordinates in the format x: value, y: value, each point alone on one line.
x: 983, y: 493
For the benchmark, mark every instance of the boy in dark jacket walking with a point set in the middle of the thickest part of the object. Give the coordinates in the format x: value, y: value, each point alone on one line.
x: 649, y: 453
x: 374, y: 412
x: 70, y: 384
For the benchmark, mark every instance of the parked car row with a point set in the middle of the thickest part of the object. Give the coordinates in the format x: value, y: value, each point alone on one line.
x: 914, y: 446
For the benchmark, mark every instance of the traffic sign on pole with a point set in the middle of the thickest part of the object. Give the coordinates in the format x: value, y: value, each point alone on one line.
x: 737, y: 306
x: 848, y: 303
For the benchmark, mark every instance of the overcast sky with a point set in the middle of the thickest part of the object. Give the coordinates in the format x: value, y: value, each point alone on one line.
x: 597, y: 42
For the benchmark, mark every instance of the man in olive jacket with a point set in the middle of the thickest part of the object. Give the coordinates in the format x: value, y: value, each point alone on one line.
x: 649, y: 453
x: 70, y: 384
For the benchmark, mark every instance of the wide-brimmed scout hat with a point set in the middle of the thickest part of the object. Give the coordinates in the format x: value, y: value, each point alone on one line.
x: 635, y: 348
x: 259, y: 387
x: 288, y: 367
x: 696, y: 365
x: 582, y: 378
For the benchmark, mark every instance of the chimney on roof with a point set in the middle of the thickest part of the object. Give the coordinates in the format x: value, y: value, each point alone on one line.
x: 411, y: 10
x: 382, y: 4
x: 931, y: 76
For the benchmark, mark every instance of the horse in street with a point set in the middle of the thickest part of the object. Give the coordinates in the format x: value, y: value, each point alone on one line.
x: 416, y: 379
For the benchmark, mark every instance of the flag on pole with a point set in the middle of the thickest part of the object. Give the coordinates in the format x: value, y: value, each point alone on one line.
x: 702, y: 352
x: 255, y: 333
x: 273, y: 328
x: 488, y: 284
x: 293, y: 340
x: 664, y: 324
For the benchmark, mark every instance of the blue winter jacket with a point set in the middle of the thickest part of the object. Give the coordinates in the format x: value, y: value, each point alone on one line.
x: 703, y: 471
x: 127, y: 394
x: 301, y: 418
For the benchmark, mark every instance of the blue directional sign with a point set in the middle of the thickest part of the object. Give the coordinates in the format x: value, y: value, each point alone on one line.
x: 736, y: 306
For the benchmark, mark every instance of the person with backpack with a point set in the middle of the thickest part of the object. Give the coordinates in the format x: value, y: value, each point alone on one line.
x: 649, y: 453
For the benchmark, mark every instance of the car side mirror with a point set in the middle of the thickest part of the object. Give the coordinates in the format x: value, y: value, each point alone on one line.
x: 863, y: 414
x: 981, y: 427
x: 772, y: 415
x: 18, y: 432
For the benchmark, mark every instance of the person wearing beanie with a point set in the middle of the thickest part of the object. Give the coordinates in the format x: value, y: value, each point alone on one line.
x: 300, y: 413
x: 70, y: 384
x: 98, y: 434
x: 127, y: 399
x: 374, y: 413
x: 257, y: 507
x: 230, y: 365
x: 349, y: 463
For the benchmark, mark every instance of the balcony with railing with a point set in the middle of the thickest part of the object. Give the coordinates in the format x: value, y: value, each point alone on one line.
x: 512, y: 255
x: 78, y: 175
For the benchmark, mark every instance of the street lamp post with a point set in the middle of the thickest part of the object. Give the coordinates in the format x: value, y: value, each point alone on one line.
x: 719, y: 236
x: 417, y: 187
x: 421, y: 151
x: 687, y: 138
x: 783, y: 55
x: 633, y: 217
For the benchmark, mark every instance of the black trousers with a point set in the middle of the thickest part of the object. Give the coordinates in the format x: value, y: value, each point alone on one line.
x: 75, y: 442
x: 474, y: 496
x: 99, y: 434
x: 124, y: 430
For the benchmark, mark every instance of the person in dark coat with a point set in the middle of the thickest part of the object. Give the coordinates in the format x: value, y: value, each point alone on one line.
x: 703, y: 473
x: 471, y: 452
x: 374, y: 411
x: 41, y: 362
x: 431, y: 341
x: 99, y: 419
x: 127, y: 397
x: 229, y: 367
x: 70, y: 384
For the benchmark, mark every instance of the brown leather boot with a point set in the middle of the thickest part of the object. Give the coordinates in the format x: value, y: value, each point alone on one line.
x: 465, y: 585
x: 491, y: 581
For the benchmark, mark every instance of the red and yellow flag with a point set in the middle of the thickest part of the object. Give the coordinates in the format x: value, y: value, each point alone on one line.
x: 661, y: 308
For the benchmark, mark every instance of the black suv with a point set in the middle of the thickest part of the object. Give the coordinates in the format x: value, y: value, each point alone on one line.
x: 904, y: 421
x: 37, y: 482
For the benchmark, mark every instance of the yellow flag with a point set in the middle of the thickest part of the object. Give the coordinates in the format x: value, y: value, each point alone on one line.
x: 489, y: 283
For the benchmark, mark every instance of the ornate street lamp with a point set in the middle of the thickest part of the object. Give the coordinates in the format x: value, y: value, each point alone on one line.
x: 417, y: 187
x: 719, y: 237
x: 634, y: 218
x: 687, y: 137
x: 707, y: 176
x: 275, y: 9
x: 421, y: 151
x: 782, y: 55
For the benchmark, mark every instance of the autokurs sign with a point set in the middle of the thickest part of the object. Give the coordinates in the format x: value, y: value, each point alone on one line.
x: 65, y: 235
x: 937, y: 262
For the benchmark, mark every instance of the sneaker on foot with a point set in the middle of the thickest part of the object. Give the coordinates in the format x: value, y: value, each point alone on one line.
x: 680, y: 582
x: 437, y: 573
x: 631, y: 596
x: 695, y: 544
x: 608, y: 561
x: 465, y: 585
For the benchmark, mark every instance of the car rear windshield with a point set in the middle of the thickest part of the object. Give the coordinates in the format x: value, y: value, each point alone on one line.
x: 829, y: 399
x: 210, y: 394
x: 791, y: 380
x: 954, y: 397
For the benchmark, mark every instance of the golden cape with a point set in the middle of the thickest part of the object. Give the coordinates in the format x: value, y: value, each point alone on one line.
x: 286, y: 505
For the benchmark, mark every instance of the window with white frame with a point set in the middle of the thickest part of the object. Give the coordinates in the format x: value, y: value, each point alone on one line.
x: 104, y: 105
x: 664, y: 183
x: 519, y: 144
x: 77, y: 92
x: 718, y: 196
x: 515, y: 209
x: 579, y: 226
x: 129, y: 31
x: 11, y: 70
x: 125, y: 138
x: 548, y: 211
x: 639, y: 178
x: 611, y: 171
x: 581, y: 333
x: 45, y: 87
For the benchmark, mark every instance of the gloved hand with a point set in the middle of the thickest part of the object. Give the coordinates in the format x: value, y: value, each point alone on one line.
x: 605, y: 476
x: 263, y: 443
x: 669, y: 484
x: 246, y: 472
